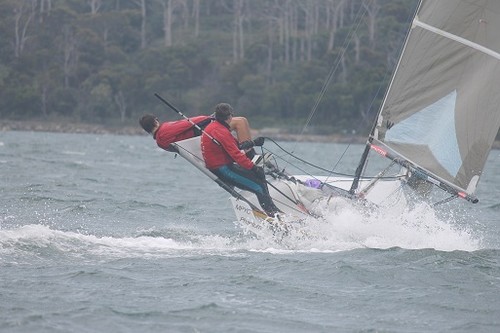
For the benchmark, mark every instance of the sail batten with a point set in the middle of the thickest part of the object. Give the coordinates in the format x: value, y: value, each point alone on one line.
x: 459, y: 39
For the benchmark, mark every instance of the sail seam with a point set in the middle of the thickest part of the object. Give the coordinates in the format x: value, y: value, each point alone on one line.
x: 457, y: 38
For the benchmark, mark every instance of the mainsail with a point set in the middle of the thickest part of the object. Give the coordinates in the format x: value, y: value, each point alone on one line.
x: 442, y: 110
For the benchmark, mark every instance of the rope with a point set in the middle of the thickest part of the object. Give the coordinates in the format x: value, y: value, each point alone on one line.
x: 333, y: 70
x: 316, y: 166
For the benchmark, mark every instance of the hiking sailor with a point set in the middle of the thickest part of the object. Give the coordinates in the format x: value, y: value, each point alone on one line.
x: 173, y: 131
x: 224, y: 158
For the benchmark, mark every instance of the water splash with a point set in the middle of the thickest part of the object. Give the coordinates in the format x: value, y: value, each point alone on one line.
x: 344, y: 228
x: 347, y: 227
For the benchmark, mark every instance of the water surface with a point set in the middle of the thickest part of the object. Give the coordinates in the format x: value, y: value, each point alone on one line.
x: 104, y: 233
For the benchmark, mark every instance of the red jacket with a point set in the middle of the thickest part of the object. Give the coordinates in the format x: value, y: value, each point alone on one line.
x: 216, y: 156
x: 174, y: 131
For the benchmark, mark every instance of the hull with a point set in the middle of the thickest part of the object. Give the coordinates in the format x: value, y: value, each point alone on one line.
x: 296, y: 196
x: 299, y: 202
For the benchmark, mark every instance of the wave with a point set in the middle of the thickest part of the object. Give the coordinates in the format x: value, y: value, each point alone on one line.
x: 34, y: 238
x: 344, y: 228
x: 495, y: 206
x: 78, y: 153
x: 43, y: 242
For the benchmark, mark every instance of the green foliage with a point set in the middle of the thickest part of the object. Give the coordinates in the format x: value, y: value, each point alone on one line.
x: 78, y: 63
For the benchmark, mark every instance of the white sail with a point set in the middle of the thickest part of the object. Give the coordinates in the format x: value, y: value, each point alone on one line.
x: 442, y: 110
x: 439, y: 119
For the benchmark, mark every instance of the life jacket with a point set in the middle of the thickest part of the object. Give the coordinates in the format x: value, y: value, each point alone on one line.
x: 173, y: 131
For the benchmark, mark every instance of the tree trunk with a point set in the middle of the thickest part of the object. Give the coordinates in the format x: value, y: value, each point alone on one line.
x: 167, y: 22
x: 142, y: 4
x: 372, y: 7
x: 287, y: 25
x: 238, y: 36
x: 22, y: 19
x: 143, y: 24
x: 343, y: 75
x: 270, y: 38
x: 357, y: 48
x: 240, y: 30
x: 185, y: 12
x: 44, y: 94
x: 122, y: 105
x: 294, y: 23
x: 336, y: 10
x: 196, y: 14
x: 95, y: 5
x: 45, y: 8
x: 70, y: 54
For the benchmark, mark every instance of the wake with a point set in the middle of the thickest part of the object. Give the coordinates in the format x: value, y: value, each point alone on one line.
x: 344, y: 228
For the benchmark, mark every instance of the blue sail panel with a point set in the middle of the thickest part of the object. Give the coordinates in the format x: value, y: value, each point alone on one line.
x: 434, y: 127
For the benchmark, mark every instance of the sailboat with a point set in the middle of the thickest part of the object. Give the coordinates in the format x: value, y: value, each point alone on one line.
x: 437, y: 123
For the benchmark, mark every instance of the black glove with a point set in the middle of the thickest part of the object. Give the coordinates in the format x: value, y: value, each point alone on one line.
x: 246, y: 145
x: 259, y: 141
x: 259, y: 172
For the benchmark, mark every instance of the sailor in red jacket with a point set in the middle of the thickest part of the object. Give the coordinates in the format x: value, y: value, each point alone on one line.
x: 173, y: 131
x: 224, y: 158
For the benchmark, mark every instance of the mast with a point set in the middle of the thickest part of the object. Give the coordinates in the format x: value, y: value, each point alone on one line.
x: 441, y: 113
x: 364, y: 156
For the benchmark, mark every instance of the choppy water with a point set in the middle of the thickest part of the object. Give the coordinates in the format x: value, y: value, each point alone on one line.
x: 102, y: 233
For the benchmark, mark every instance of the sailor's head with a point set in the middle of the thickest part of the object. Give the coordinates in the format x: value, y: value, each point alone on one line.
x: 223, y: 111
x: 149, y: 123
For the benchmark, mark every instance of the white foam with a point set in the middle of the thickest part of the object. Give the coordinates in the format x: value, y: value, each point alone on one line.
x: 344, y: 228
x: 79, y: 153
x: 67, y: 241
x: 415, y: 228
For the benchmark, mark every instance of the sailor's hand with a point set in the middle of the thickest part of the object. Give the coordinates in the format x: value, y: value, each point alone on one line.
x: 259, y: 171
x: 258, y: 141
x: 246, y: 144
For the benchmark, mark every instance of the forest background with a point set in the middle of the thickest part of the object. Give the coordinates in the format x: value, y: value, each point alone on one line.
x: 101, y: 61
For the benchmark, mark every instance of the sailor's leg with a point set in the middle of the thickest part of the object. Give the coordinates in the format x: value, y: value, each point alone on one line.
x: 247, y: 180
x: 242, y: 128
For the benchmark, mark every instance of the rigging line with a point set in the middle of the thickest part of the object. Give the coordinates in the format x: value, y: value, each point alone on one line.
x: 316, y: 166
x: 370, y: 107
x: 386, y: 74
x: 345, y: 46
x: 280, y: 201
x: 226, y: 187
x: 338, y: 161
x: 358, y: 18
x: 364, y: 157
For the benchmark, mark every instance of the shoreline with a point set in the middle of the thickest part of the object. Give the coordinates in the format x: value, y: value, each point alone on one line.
x: 82, y: 128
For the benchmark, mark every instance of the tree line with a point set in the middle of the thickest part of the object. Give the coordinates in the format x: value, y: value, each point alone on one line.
x: 101, y: 61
